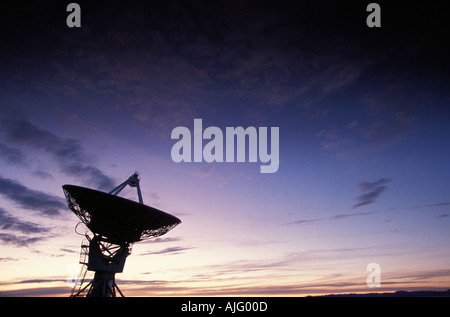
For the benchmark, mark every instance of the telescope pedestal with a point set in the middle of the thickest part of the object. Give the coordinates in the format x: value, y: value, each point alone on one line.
x: 106, y: 259
x: 103, y: 285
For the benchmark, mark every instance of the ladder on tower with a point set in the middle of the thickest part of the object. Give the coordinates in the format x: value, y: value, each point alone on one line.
x: 84, y: 258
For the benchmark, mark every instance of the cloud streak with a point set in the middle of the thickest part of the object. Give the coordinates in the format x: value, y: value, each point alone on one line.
x: 68, y: 153
x: 371, y: 192
x: 8, y: 222
x: 358, y: 137
x: 12, y: 155
x: 169, y: 250
x: 366, y: 213
x: 201, y: 60
x: 333, y: 218
x: 28, y: 198
x: 19, y: 241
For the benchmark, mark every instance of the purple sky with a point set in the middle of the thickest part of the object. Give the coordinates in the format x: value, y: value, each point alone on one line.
x: 364, y: 143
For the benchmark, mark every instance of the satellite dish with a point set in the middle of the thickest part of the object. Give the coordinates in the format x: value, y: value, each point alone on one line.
x: 116, y: 218
x: 116, y: 223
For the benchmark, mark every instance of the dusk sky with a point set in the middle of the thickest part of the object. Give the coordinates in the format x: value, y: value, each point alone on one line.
x: 364, y: 149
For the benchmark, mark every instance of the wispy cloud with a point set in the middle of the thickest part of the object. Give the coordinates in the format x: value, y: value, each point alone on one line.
x: 68, y: 250
x: 442, y: 204
x: 12, y: 155
x: 68, y: 153
x: 28, y: 198
x: 9, y: 259
x: 9, y: 222
x: 244, y: 277
x: 371, y: 191
x: 366, y: 213
x: 359, y: 137
x: 169, y: 250
x: 198, y: 62
x: 388, y: 131
x: 20, y: 241
x: 332, y: 218
x: 162, y: 240
x: 306, y: 221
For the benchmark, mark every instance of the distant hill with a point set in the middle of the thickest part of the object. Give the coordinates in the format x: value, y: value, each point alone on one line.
x: 397, y: 294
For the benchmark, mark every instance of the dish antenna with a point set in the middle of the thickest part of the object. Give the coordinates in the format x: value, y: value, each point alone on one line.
x: 116, y: 223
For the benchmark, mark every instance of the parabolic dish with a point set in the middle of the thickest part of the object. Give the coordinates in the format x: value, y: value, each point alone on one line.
x: 117, y: 219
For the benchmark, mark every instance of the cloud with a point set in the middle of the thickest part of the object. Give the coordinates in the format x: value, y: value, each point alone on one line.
x: 377, y: 132
x: 332, y: 218
x: 388, y: 131
x: 162, y: 240
x: 367, y: 186
x: 68, y: 250
x: 367, y: 213
x: 28, y: 198
x: 359, y: 214
x: 217, y: 55
x: 68, y: 153
x: 306, y: 221
x: 19, y: 241
x: 442, y: 204
x: 8, y: 222
x: 372, y: 191
x: 170, y: 250
x: 204, y: 172
x: 370, y: 197
x: 9, y: 259
x: 12, y: 155
x: 43, y: 175
x: 244, y: 277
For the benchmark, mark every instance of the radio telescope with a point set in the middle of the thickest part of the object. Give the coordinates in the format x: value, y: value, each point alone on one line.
x: 116, y: 223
